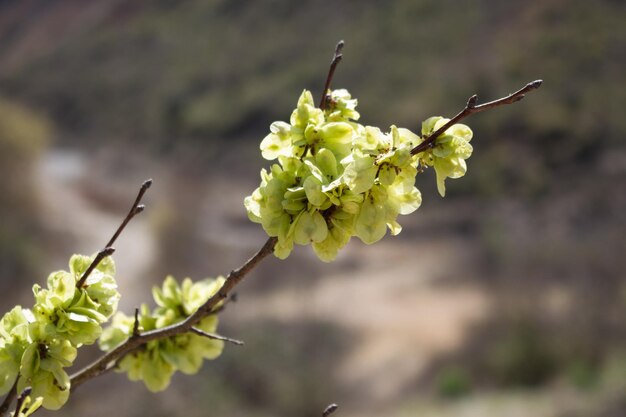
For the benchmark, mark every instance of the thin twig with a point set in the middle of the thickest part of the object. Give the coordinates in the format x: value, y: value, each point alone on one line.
x: 215, y: 336
x: 329, y: 410
x: 337, y: 56
x: 108, y: 248
x: 471, y: 108
x: 21, y: 399
x: 135, y: 209
x: 9, y: 398
x: 101, y: 365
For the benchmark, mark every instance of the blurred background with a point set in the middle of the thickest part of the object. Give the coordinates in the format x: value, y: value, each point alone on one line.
x: 506, y: 298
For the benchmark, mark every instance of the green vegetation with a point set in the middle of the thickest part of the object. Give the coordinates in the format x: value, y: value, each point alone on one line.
x: 23, y: 136
x: 162, y: 72
x: 453, y: 382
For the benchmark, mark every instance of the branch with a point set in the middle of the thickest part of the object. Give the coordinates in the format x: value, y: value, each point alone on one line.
x: 108, y: 248
x: 20, y: 400
x: 9, y: 398
x: 337, y: 56
x: 471, y: 108
x: 216, y: 336
x: 107, y: 362
x: 107, y: 251
x: 231, y: 299
x: 101, y: 365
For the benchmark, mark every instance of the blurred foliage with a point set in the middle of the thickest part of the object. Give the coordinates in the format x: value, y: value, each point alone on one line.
x: 583, y: 374
x: 453, y: 382
x: 158, y: 72
x: 23, y: 136
x: 521, y: 357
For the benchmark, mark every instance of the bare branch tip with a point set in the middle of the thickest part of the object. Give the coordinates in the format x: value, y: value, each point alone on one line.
x: 329, y: 410
x: 339, y: 47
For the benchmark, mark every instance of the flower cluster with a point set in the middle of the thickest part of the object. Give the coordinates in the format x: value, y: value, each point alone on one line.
x: 155, y: 362
x: 336, y: 178
x: 36, y: 345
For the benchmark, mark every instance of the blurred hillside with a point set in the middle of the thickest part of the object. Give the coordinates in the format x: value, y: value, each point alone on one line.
x: 165, y: 71
x: 23, y: 137
x: 506, y: 298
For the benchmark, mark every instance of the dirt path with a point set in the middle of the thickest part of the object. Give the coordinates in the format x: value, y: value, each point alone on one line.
x: 401, y: 316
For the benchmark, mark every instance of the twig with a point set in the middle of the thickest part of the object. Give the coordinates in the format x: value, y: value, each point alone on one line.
x: 108, y: 248
x: 471, y: 108
x: 107, y: 251
x: 109, y: 360
x: 9, y: 398
x: 329, y: 410
x: 337, y: 56
x: 135, y: 332
x: 21, y: 399
x: 101, y: 365
x: 215, y: 336
x: 213, y: 304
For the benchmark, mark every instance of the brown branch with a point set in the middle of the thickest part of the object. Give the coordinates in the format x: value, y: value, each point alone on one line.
x: 337, y: 56
x: 107, y: 251
x: 108, y: 248
x: 20, y: 400
x: 215, y: 336
x: 471, y: 108
x: 9, y: 398
x: 329, y: 410
x: 102, y: 364
x: 232, y: 298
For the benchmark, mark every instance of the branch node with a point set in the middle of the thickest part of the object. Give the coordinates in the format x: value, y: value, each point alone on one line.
x: 108, y: 251
x: 135, y: 324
